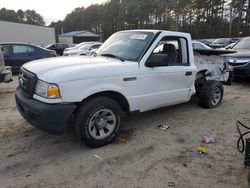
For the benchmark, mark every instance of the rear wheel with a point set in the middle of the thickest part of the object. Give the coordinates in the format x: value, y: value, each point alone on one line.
x: 211, y: 94
x: 98, y: 121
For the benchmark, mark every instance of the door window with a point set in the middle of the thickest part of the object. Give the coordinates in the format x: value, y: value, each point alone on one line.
x: 175, y: 48
x: 22, y: 49
x: 95, y: 47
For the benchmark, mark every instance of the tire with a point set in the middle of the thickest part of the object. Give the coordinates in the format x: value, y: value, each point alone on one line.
x: 211, y: 94
x: 97, y: 121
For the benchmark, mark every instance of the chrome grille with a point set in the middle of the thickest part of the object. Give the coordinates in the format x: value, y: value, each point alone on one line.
x: 27, y: 82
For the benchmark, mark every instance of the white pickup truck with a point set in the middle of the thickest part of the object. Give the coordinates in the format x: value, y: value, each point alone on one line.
x: 133, y: 71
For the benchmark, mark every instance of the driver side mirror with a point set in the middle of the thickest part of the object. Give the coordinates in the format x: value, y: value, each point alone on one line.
x: 157, y: 60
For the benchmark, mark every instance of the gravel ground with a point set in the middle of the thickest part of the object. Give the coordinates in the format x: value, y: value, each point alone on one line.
x: 142, y: 156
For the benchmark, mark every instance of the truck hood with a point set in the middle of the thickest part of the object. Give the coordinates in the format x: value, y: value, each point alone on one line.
x: 63, y: 69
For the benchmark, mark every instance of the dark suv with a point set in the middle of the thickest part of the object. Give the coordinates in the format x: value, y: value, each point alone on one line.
x: 223, y: 42
x: 240, y: 61
x: 58, y: 47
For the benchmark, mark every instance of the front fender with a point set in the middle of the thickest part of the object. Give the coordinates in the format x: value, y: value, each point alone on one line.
x: 76, y: 91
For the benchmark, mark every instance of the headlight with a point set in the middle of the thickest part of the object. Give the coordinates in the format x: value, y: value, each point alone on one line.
x: 47, y: 90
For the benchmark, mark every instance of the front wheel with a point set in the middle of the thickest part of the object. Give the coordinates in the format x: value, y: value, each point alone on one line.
x: 211, y: 94
x: 97, y: 121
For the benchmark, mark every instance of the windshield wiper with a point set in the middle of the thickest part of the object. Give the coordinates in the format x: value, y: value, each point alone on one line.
x: 113, y: 56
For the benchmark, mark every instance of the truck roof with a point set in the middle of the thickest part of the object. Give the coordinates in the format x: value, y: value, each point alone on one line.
x: 156, y: 31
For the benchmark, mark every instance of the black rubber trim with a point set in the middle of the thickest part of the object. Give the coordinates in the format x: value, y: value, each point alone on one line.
x: 28, y: 83
x: 52, y: 118
x: 150, y: 44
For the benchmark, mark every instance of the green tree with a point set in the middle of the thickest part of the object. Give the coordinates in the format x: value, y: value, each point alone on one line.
x: 31, y: 17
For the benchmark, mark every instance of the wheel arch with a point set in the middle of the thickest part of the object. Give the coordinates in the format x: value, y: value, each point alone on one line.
x: 116, y: 96
x: 200, y: 80
x: 201, y: 73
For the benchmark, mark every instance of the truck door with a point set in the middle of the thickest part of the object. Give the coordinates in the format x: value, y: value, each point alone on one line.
x: 171, y: 80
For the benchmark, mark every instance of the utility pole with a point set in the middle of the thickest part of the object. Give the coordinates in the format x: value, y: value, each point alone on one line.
x: 230, y: 21
x: 177, y: 15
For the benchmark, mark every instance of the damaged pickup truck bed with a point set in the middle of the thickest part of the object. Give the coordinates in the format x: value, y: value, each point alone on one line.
x: 133, y: 71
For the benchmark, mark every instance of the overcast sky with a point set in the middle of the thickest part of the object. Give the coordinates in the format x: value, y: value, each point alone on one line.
x: 51, y: 10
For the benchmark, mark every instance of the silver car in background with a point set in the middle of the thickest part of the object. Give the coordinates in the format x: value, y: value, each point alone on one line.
x: 85, y: 49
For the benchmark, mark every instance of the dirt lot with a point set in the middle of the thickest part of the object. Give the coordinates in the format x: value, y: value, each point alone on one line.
x: 143, y: 156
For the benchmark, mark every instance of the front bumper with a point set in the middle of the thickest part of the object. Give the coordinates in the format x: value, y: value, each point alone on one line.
x: 241, y: 71
x: 52, y: 118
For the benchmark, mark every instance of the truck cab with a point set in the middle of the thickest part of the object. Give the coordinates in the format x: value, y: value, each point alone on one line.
x: 133, y: 71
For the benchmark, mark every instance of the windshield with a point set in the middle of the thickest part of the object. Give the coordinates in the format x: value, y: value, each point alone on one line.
x: 243, y: 45
x: 79, y: 45
x: 86, y: 46
x: 126, y: 45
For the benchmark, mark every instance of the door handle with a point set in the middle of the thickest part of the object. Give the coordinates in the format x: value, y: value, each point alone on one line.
x: 129, y: 79
x: 189, y: 73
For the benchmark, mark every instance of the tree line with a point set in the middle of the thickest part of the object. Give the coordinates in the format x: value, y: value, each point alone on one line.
x: 201, y: 18
x: 20, y: 16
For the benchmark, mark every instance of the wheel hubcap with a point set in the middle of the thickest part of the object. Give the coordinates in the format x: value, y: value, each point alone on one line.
x: 102, y: 123
x: 216, y: 97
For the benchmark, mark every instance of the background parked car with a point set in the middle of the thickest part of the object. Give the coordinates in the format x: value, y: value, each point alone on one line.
x: 76, y: 46
x: 16, y: 54
x: 206, y: 41
x: 240, y: 61
x: 223, y: 42
x: 58, y: 47
x: 199, y: 45
x: 230, y: 46
x: 86, y: 49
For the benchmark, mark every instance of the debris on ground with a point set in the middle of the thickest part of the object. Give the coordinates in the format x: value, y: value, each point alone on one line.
x: 208, y: 139
x: 163, y: 127
x: 122, y: 140
x: 98, y: 157
x: 202, y: 150
x: 171, y: 184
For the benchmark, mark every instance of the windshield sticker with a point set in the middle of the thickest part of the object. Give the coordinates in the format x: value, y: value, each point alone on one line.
x: 138, y: 37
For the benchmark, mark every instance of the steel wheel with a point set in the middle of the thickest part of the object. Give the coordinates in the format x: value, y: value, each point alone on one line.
x: 216, y: 96
x: 211, y: 94
x: 102, y: 124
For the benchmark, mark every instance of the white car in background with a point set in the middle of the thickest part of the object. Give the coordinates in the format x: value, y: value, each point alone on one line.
x: 76, y: 46
x: 85, y: 49
x: 197, y: 45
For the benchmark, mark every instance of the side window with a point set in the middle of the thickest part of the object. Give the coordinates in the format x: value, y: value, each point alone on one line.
x: 175, y: 48
x: 30, y: 49
x: 20, y: 49
x: 95, y: 47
